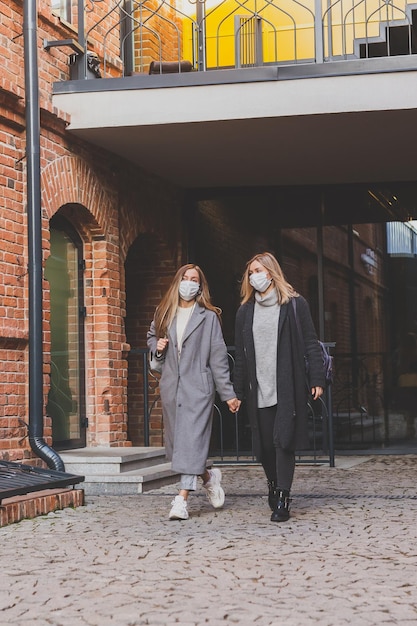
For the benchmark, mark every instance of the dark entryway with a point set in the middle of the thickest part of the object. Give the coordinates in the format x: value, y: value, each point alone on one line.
x: 362, y: 298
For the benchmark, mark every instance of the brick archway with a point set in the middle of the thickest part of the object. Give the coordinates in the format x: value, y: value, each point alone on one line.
x: 70, y: 180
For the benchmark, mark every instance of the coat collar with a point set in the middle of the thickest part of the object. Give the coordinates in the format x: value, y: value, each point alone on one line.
x: 197, y: 318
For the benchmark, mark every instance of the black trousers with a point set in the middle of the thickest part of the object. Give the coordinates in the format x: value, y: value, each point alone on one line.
x: 278, y: 464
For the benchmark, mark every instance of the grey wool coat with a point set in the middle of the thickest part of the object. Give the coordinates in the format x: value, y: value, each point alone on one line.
x: 291, y: 426
x: 188, y: 386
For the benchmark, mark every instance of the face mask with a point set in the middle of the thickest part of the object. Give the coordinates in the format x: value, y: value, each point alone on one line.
x: 188, y: 289
x: 259, y: 281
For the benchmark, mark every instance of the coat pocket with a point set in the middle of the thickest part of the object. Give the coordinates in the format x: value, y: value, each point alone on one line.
x: 207, y: 382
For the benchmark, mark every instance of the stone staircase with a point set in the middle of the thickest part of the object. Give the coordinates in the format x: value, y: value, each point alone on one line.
x: 119, y: 471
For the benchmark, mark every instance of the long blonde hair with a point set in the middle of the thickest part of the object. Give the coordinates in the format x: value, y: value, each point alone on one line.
x: 285, y: 291
x: 167, y: 308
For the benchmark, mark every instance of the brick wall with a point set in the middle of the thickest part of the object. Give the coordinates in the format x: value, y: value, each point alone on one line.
x: 109, y: 202
x: 13, y: 399
x: 15, y: 509
x: 160, y: 38
x: 13, y: 257
x: 149, y: 271
x: 226, y: 237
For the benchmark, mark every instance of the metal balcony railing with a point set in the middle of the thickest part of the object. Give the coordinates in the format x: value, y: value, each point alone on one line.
x: 135, y: 36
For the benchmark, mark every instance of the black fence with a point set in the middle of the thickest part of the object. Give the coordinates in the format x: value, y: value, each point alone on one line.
x: 366, y: 408
x: 231, y: 440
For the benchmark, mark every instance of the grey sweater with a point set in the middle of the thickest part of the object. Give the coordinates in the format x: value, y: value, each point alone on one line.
x: 265, y: 337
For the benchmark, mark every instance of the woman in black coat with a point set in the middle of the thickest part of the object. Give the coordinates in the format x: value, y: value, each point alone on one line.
x: 274, y: 331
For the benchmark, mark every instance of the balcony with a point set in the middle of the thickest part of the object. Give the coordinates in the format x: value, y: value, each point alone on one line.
x: 257, y: 94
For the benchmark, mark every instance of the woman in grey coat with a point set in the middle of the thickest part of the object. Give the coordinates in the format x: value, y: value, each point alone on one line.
x: 186, y: 337
x: 270, y: 372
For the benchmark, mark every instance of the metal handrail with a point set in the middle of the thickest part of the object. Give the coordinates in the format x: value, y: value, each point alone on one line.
x: 129, y: 34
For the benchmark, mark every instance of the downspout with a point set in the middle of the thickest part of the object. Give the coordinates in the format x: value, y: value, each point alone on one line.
x: 37, y: 443
x: 320, y: 267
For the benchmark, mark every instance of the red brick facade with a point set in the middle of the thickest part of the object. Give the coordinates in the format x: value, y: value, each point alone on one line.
x: 110, y: 204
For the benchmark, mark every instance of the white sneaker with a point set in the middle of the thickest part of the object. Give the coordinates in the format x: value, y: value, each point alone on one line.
x: 214, y: 491
x: 179, y: 508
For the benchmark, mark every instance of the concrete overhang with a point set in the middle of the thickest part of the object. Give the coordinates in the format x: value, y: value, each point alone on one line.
x: 338, y: 123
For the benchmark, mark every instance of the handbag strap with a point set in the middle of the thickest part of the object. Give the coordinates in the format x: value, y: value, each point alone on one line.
x: 301, y: 338
x: 297, y: 321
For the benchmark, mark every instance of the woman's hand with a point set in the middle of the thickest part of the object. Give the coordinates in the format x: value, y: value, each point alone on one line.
x: 162, y: 344
x: 316, y: 392
x: 234, y: 405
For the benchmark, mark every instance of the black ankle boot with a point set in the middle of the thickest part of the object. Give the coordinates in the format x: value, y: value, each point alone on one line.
x: 281, y: 512
x: 272, y: 494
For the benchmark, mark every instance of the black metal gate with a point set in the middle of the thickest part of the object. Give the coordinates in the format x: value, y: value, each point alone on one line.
x: 231, y: 440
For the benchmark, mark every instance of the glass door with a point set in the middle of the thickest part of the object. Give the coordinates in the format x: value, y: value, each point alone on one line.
x: 66, y: 398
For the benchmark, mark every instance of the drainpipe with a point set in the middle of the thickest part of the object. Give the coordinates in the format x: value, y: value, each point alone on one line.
x: 320, y: 267
x: 37, y: 443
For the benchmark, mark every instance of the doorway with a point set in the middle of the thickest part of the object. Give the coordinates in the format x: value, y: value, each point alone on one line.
x: 66, y: 398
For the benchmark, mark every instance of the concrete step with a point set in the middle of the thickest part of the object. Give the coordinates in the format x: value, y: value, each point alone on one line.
x: 119, y: 471
x: 101, y: 460
x: 130, y: 483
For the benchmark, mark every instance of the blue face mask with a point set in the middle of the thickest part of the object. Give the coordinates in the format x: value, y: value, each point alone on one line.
x: 188, y: 290
x: 259, y: 281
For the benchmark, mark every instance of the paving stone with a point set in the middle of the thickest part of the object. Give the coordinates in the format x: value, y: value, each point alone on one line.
x: 348, y: 555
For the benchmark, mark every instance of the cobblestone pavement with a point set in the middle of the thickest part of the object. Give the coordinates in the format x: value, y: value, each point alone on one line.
x: 347, y: 555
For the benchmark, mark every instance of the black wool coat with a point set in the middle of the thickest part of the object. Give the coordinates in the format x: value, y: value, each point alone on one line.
x: 291, y: 426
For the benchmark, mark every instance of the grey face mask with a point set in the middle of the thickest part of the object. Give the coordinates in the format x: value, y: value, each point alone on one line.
x: 188, y: 289
x: 259, y: 281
